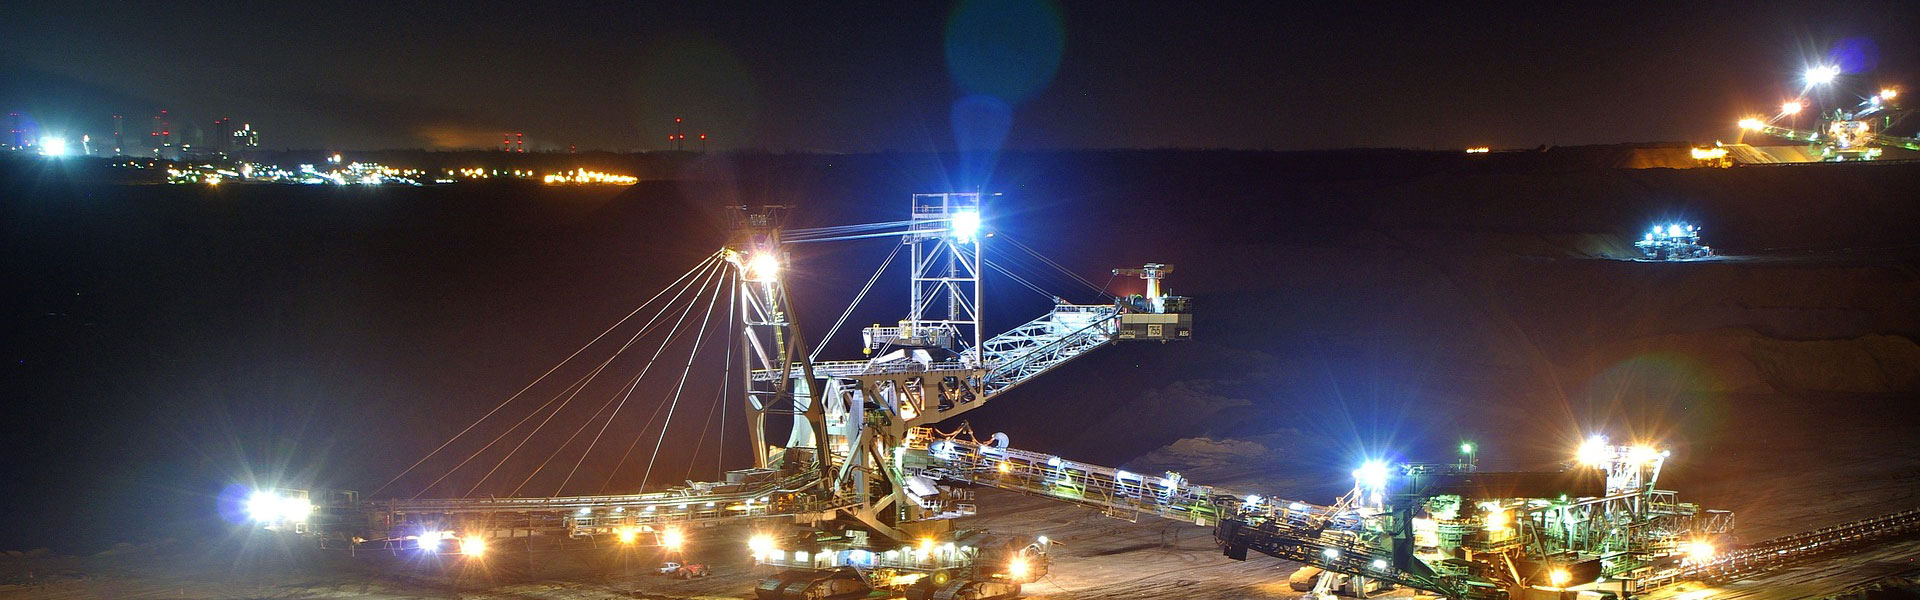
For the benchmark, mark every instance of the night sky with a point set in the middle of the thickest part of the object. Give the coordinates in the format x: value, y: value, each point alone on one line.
x: 852, y: 76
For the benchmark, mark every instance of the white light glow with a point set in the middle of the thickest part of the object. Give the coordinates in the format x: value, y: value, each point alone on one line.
x: 270, y: 508
x: 763, y: 267
x: 1822, y: 75
x: 53, y: 146
x: 1372, y: 475
x: 1594, y: 452
x: 263, y: 507
x: 966, y: 224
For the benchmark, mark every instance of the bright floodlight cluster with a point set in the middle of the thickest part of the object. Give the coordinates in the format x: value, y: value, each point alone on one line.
x: 1673, y: 230
x: 269, y: 508
x: 1822, y: 75
x: 53, y: 146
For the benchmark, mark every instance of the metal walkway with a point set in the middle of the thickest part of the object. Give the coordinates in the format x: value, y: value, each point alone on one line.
x: 1786, y: 551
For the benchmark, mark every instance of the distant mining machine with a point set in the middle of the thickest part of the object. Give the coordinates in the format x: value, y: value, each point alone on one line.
x: 1673, y: 241
x: 1844, y: 133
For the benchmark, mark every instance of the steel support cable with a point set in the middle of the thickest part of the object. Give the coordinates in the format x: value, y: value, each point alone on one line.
x: 630, y: 446
x: 838, y: 229
x: 631, y: 383
x: 856, y: 303
x: 584, y: 381
x: 1008, y: 263
x: 656, y: 413
x: 1050, y: 262
x: 726, y: 373
x: 581, y: 383
x: 718, y: 284
x: 576, y: 393
x: 841, y: 229
x: 1036, y: 289
x: 842, y: 238
x: 699, y: 335
x: 718, y: 399
x: 543, y: 376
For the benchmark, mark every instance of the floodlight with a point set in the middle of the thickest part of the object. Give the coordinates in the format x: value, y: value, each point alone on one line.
x: 1699, y: 551
x: 53, y: 146
x: 473, y: 545
x: 1372, y: 475
x: 1752, y: 124
x: 1594, y: 452
x: 763, y: 267
x: 1017, y: 568
x: 965, y: 224
x: 1559, y: 577
x: 263, y: 506
x: 1822, y: 75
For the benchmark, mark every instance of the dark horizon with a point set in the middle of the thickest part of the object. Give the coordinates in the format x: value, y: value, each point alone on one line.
x: 983, y: 74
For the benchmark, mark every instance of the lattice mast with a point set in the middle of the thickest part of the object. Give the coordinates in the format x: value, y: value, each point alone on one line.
x: 771, y: 341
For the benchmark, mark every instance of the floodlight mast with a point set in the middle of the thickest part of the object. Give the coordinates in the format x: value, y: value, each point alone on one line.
x: 771, y: 341
x: 943, y: 238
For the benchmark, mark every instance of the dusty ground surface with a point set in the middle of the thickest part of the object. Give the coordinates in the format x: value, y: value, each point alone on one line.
x: 1096, y: 557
